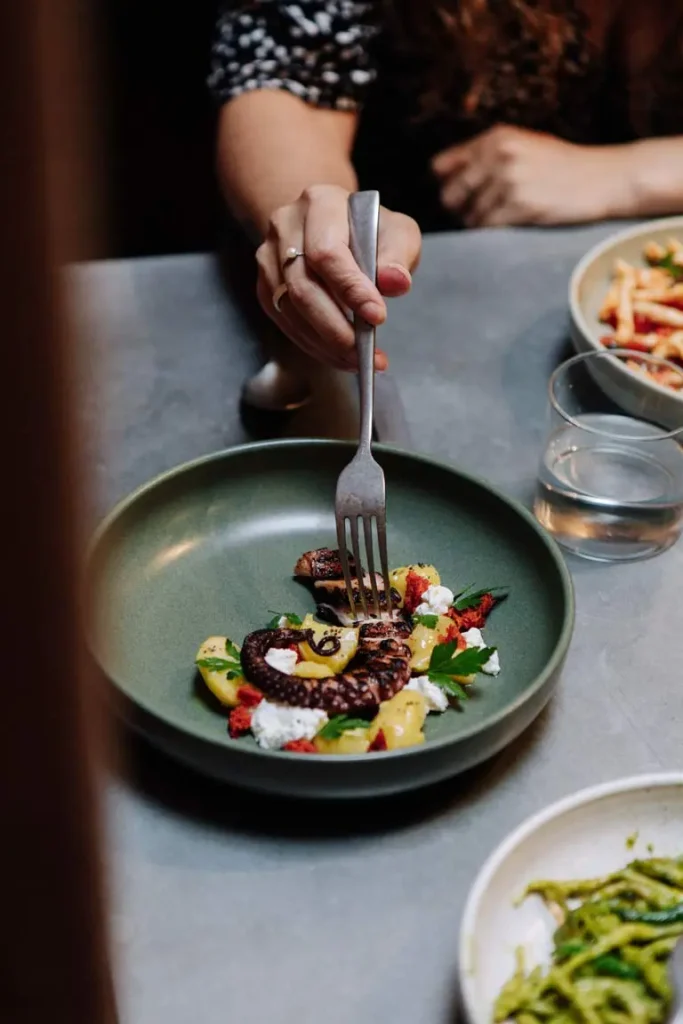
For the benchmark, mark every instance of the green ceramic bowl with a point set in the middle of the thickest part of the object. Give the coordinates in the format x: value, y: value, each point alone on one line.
x: 209, y: 548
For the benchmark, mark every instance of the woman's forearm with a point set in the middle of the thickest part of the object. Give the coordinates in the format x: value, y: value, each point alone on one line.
x: 272, y: 145
x: 654, y: 177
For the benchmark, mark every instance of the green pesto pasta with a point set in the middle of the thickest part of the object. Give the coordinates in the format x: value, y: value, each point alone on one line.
x: 610, y: 950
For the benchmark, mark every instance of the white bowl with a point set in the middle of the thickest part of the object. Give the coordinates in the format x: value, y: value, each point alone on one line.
x: 588, y: 286
x: 583, y: 835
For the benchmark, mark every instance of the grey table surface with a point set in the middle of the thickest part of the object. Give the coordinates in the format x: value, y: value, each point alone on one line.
x: 229, y: 907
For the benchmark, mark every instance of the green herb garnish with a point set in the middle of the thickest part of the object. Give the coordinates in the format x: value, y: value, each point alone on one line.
x: 470, y: 599
x: 333, y: 729
x: 449, y: 686
x: 292, y: 619
x: 671, y: 266
x: 215, y: 664
x: 232, y: 664
x: 567, y: 949
x: 614, y: 967
x: 669, y: 915
x: 233, y: 650
x: 445, y: 663
x: 430, y: 621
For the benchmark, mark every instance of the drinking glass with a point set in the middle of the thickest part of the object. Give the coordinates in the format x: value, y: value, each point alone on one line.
x: 610, y: 486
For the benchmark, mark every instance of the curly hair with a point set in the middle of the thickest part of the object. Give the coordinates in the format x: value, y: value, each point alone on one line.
x: 490, y: 54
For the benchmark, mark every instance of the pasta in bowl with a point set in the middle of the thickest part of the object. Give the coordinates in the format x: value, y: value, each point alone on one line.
x: 614, y: 936
x: 644, y: 308
x: 625, y: 293
x: 576, y: 910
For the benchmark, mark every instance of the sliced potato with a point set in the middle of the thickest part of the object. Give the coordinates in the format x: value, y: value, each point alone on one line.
x: 401, y: 720
x: 353, y: 741
x: 312, y: 670
x: 348, y: 640
x: 399, y: 576
x: 422, y: 642
x: 224, y: 689
x: 443, y: 626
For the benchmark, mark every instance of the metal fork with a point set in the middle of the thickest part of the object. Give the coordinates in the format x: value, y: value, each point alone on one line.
x: 360, y: 488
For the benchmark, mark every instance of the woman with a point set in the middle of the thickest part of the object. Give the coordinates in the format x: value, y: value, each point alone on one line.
x: 478, y: 112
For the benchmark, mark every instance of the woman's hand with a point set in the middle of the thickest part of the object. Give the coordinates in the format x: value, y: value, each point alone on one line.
x: 513, y: 176
x: 327, y: 282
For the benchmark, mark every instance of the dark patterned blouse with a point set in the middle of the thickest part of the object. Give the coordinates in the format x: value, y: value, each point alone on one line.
x: 338, y: 54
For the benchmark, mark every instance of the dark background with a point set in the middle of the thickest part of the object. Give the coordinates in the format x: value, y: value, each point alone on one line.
x: 156, y: 122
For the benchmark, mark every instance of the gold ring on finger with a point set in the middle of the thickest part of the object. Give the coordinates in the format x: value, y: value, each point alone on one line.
x: 278, y: 295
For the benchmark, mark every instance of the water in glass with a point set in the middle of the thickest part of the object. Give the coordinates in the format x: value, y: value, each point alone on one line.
x: 611, y: 487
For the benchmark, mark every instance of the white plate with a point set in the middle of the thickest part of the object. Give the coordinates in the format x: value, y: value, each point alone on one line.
x: 587, y: 289
x: 578, y: 837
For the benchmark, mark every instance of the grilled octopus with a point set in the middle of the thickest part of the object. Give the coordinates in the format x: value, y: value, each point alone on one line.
x: 379, y: 669
x: 322, y: 564
x: 323, y: 569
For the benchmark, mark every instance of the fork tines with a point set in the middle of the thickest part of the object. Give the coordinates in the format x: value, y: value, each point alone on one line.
x: 361, y: 608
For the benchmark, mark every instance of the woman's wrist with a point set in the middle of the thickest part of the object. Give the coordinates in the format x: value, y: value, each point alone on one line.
x: 651, y: 176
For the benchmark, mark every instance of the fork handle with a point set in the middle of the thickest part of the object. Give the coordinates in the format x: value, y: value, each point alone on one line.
x: 364, y: 229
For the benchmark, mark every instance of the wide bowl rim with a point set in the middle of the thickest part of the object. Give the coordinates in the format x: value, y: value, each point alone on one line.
x: 553, y: 664
x: 514, y: 839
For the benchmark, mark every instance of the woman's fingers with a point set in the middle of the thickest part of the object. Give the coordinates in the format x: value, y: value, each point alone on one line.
x: 325, y: 283
x: 319, y: 310
x: 286, y: 318
x: 506, y: 214
x: 309, y: 293
x: 450, y: 160
x: 400, y: 245
x: 484, y: 204
x: 460, y: 190
x: 329, y: 258
x: 293, y: 326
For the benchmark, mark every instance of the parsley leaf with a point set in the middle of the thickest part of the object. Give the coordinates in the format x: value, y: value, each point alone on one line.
x: 232, y: 664
x: 233, y: 651
x: 333, y: 729
x: 235, y: 668
x: 470, y: 599
x: 449, y: 685
x: 429, y: 621
x: 215, y: 664
x: 669, y: 264
x: 442, y: 655
x: 446, y: 662
x: 469, y: 661
x: 292, y: 619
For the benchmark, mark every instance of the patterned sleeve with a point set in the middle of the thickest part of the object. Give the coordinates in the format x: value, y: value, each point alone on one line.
x: 317, y: 49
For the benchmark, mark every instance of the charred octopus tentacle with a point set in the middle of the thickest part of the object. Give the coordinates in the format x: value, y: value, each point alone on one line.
x: 322, y: 564
x: 380, y: 668
x: 327, y: 646
x: 322, y: 571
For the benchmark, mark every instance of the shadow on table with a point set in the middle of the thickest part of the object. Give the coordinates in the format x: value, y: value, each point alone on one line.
x: 456, y: 1010
x: 527, y: 365
x: 184, y: 792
